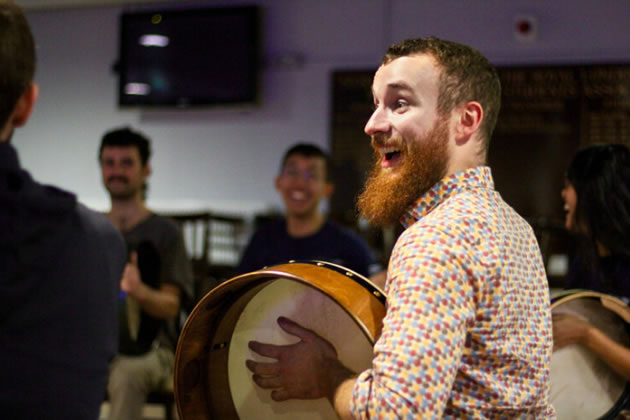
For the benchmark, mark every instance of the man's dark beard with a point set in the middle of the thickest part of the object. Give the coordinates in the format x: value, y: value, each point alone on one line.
x: 386, y: 197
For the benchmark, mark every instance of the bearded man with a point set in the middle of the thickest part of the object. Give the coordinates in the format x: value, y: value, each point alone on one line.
x: 467, y: 333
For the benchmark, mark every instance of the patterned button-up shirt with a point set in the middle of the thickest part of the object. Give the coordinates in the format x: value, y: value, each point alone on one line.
x: 468, y: 327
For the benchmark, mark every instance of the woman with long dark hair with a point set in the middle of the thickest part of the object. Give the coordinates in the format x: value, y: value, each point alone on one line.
x: 597, y: 202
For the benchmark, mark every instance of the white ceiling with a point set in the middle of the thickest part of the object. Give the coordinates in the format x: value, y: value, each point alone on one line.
x: 52, y: 4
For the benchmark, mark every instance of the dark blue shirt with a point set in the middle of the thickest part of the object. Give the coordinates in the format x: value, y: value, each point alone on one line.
x: 272, y: 244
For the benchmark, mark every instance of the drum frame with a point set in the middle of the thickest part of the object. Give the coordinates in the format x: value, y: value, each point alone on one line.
x: 203, y: 346
x: 619, y: 305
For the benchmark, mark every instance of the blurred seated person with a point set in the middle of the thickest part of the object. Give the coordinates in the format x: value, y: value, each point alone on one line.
x: 304, y: 233
x: 156, y: 281
x: 597, y: 205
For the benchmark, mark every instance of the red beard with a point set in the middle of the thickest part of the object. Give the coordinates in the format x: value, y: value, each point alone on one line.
x: 387, y: 196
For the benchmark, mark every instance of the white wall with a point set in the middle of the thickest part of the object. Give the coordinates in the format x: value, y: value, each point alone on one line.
x: 226, y: 159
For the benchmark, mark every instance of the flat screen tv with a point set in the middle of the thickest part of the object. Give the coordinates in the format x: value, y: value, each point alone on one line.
x: 189, y: 57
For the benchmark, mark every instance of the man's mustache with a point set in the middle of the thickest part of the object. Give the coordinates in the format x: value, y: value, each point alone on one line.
x: 384, y: 139
x: 117, y: 178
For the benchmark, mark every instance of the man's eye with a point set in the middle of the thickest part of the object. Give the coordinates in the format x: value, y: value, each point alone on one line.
x: 400, y: 104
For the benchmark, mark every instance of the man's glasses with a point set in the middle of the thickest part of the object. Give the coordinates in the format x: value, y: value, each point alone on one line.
x: 307, y: 176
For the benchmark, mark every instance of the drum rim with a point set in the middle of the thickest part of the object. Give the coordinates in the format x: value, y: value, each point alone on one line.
x: 375, y: 290
x: 571, y: 294
x: 621, y: 403
x: 273, y: 271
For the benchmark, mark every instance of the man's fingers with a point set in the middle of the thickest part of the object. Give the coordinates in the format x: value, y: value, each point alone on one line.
x: 133, y: 258
x: 269, y: 369
x: 280, y: 395
x: 293, y: 328
x: 267, y: 382
x: 127, y: 270
x: 268, y: 350
x: 124, y: 280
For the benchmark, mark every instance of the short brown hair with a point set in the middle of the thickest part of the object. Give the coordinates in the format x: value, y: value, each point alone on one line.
x: 466, y: 75
x: 17, y: 57
x: 126, y: 137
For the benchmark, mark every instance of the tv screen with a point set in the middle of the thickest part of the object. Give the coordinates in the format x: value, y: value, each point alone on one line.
x: 190, y: 57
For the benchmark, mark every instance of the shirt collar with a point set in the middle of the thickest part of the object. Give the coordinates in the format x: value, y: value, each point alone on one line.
x: 478, y: 177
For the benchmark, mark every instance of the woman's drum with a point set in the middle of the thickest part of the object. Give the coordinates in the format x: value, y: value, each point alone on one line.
x: 582, y: 385
x: 211, y: 379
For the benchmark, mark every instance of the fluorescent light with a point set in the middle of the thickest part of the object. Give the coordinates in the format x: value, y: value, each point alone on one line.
x: 153, y: 40
x: 137, y: 89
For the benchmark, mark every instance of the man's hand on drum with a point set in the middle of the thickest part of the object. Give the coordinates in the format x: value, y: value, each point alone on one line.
x: 568, y: 329
x: 308, y: 369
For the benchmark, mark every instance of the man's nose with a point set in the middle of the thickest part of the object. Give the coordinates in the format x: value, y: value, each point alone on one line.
x: 378, y: 123
x: 115, y: 168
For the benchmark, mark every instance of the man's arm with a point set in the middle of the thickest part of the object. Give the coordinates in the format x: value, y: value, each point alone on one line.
x: 162, y: 303
x: 342, y: 398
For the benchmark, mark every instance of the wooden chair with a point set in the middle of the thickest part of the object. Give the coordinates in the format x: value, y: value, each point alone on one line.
x: 214, y: 243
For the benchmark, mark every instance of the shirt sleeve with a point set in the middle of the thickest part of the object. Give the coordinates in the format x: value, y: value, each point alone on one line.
x: 429, y: 304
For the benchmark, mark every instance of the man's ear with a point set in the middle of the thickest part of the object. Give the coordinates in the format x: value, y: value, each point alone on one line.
x: 329, y: 189
x: 147, y: 170
x: 24, y: 106
x: 468, y: 121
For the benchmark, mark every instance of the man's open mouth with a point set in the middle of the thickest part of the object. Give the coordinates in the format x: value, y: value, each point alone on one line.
x: 390, y: 156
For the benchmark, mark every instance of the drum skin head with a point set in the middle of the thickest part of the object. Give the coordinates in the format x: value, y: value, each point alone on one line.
x: 582, y: 385
x: 211, y: 379
x: 311, y: 309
